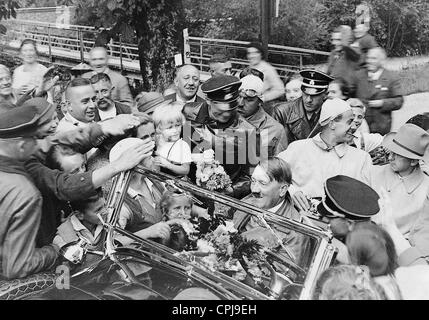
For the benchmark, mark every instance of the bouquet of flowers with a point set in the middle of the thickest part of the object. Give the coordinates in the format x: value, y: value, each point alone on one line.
x: 211, y: 175
x: 221, y: 248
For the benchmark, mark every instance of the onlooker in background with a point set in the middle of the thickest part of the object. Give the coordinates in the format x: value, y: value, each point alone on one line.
x: 107, y: 107
x: 187, y: 82
x: 173, y: 155
x: 7, y: 94
x: 273, y: 135
x: 273, y: 86
x: 380, y: 90
x: 293, y: 88
x: 422, y: 121
x: 251, y: 72
x: 361, y: 139
x: 315, y: 160
x: 407, y: 185
x: 81, y: 105
x: 99, y: 60
x: 300, y: 118
x: 344, y: 60
x: 364, y: 41
x: 339, y: 88
x: 220, y: 65
x: 29, y: 76
x: 147, y: 102
x: 347, y: 282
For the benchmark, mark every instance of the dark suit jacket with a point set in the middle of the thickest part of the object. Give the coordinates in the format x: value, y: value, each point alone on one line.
x: 120, y: 109
x: 386, y: 88
x: 345, y: 65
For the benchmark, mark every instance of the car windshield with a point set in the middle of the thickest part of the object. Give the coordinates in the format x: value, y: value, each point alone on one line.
x: 277, y: 257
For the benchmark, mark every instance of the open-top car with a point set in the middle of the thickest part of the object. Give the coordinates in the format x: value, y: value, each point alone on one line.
x: 212, y: 255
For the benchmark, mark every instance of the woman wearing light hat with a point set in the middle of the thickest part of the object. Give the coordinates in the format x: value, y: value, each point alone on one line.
x: 405, y: 182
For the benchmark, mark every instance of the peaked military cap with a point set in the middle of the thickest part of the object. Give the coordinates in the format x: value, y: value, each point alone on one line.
x: 24, y: 121
x: 315, y: 82
x: 222, y: 89
x: 349, y: 198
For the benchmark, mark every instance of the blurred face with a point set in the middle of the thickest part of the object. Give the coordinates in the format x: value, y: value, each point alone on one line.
x: 345, y: 128
x: 360, y: 31
x: 181, y: 208
x: 221, y: 112
x: 400, y: 164
x: 221, y: 69
x: 247, y: 106
x: 5, y: 83
x: 293, y: 90
x: 103, y: 91
x: 146, y: 131
x: 49, y: 128
x: 82, y: 103
x: 336, y: 41
x: 92, y: 210
x: 73, y: 164
x: 188, y: 82
x: 374, y: 60
x: 340, y: 227
x: 313, y: 103
x: 359, y: 114
x: 171, y: 131
x: 98, y: 60
x: 334, y: 91
x: 28, y: 53
x: 254, y: 56
x: 267, y: 193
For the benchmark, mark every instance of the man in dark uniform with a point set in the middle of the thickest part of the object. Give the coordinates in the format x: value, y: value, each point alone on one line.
x: 217, y: 125
x: 300, y: 117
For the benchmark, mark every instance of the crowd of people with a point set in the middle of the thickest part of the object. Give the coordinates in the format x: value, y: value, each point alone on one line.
x: 321, y: 135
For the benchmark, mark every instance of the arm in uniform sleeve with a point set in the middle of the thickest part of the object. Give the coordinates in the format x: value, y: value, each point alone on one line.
x: 66, y: 187
x: 82, y: 139
x: 20, y: 256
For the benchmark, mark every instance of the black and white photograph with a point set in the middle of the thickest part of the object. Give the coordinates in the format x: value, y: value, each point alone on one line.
x: 214, y: 154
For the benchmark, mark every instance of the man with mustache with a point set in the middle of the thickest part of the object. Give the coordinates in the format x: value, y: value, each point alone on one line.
x: 7, y: 94
x: 99, y: 60
x: 270, y: 191
x: 328, y: 154
x: 300, y: 117
x: 107, y: 107
x: 187, y: 82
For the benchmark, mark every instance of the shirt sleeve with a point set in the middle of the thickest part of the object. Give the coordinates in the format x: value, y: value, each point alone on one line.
x: 181, y: 153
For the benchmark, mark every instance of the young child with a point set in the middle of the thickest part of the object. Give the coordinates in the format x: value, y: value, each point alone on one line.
x: 175, y: 206
x: 173, y: 155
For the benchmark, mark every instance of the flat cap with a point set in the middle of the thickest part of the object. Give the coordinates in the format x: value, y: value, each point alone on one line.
x: 349, y: 198
x: 24, y: 121
x: 147, y: 102
x: 222, y: 89
x: 315, y: 82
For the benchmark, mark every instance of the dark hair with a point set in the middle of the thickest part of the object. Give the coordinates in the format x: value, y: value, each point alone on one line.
x: 259, y: 46
x: 219, y: 58
x: 420, y: 120
x: 344, y: 87
x: 52, y: 157
x: 29, y: 41
x: 250, y: 71
x: 277, y: 170
x: 83, y: 205
x: 100, y: 77
x: 370, y: 245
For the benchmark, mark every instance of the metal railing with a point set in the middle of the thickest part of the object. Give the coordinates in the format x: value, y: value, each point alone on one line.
x: 286, y: 60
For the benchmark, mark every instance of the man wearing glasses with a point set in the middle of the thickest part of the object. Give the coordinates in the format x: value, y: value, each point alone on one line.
x: 250, y: 107
x: 300, y: 118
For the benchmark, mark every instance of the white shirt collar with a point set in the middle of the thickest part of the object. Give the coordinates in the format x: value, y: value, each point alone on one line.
x: 179, y: 99
x: 69, y: 118
x: 105, y: 115
x: 375, y: 76
x: 340, y: 149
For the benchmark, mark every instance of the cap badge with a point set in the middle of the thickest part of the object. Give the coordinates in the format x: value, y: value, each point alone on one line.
x: 312, y: 74
x: 312, y: 83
